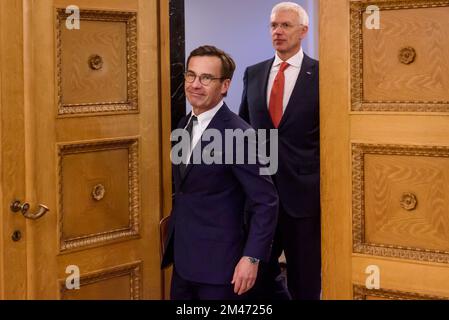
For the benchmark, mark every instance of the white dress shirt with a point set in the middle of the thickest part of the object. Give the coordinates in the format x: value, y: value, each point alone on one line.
x: 291, y: 75
x: 199, y: 126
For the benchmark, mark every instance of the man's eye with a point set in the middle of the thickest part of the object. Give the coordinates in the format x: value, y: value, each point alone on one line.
x: 206, y: 77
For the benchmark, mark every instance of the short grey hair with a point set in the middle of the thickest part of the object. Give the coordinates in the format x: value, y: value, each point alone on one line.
x: 291, y: 6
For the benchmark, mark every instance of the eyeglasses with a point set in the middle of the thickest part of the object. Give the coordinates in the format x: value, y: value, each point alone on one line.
x: 205, y: 79
x: 283, y: 26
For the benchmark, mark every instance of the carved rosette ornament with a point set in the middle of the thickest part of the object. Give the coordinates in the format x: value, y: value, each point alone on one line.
x: 409, y: 201
x: 407, y: 55
x: 95, y: 62
x: 98, y: 192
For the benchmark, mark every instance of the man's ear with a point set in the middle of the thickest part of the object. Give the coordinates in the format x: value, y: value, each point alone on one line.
x: 303, y: 32
x: 225, y: 86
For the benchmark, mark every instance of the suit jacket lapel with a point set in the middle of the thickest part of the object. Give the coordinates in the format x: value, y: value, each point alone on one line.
x: 300, y: 86
x: 263, y: 93
x: 219, y: 120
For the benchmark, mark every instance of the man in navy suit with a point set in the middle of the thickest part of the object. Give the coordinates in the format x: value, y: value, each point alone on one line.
x: 215, y: 254
x: 283, y: 93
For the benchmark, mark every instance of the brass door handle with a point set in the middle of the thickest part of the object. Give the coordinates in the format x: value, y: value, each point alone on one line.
x: 17, y: 206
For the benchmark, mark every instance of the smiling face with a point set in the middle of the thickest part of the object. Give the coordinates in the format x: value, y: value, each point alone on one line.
x: 287, y: 33
x: 201, y: 97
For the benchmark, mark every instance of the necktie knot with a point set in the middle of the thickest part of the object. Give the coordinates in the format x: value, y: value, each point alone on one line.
x: 189, y: 126
x: 193, y: 118
x: 284, y: 65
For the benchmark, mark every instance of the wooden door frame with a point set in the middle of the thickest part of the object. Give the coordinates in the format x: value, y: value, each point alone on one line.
x: 335, y: 165
x: 173, y: 108
x: 12, y: 160
x: 166, y: 122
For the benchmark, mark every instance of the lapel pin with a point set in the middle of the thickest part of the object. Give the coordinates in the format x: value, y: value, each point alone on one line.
x: 309, y: 73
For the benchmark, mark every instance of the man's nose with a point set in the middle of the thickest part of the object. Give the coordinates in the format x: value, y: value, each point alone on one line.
x: 278, y: 30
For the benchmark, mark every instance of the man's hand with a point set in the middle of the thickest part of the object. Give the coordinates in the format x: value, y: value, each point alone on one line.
x: 245, y: 274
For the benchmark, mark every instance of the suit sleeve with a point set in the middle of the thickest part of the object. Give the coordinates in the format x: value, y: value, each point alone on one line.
x: 262, y: 202
x: 243, y: 111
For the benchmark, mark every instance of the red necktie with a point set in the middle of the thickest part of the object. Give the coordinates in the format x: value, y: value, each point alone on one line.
x: 277, y: 95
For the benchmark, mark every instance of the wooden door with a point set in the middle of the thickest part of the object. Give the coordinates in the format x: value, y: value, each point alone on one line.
x: 81, y: 134
x: 385, y: 149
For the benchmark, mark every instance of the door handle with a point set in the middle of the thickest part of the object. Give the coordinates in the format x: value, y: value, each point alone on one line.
x: 17, y: 206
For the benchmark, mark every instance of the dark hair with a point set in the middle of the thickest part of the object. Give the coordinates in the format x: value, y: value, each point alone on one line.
x: 227, y: 63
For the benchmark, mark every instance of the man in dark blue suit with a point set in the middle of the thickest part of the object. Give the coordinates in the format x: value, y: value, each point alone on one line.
x: 215, y: 254
x: 283, y: 93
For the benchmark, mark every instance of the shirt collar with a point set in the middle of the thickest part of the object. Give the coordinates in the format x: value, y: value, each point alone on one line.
x: 206, y: 117
x: 294, y: 61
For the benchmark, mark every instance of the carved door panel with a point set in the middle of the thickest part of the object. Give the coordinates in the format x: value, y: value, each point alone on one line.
x: 385, y: 149
x: 90, y: 151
